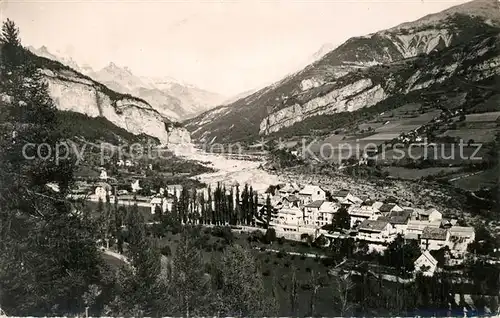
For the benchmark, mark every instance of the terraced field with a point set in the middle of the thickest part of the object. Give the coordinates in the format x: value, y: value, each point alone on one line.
x: 466, y: 134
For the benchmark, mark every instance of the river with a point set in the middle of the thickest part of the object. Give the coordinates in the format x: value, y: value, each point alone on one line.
x: 228, y: 171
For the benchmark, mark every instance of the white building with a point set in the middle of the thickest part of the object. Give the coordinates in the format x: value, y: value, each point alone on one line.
x: 390, y: 207
x: 158, y: 202
x: 434, y: 238
x: 460, y: 238
x: 344, y: 197
x: 174, y: 190
x: 135, y: 186
x: 431, y: 215
x: 358, y: 214
x: 311, y: 193
x: 103, y: 175
x: 426, y: 264
x: 128, y: 163
x: 326, y: 213
x: 311, y: 211
x: 289, y: 216
x: 416, y: 228
x: 398, y: 219
x: 376, y: 231
x: 290, y: 201
x: 120, y: 163
x: 102, y: 189
x: 289, y: 188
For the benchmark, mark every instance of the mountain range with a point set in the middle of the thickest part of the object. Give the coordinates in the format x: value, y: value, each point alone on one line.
x: 461, y: 43
x: 170, y: 97
x: 90, y: 103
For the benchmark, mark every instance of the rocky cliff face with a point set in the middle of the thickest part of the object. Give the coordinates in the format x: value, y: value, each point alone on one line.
x: 472, y: 62
x: 365, y: 71
x: 347, y: 98
x: 72, y: 91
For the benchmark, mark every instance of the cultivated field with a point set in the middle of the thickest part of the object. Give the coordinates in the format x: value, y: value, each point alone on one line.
x: 401, y: 125
x: 483, y: 117
x: 473, y: 182
x: 449, y: 153
x: 382, y: 136
x: 466, y: 134
x: 413, y: 174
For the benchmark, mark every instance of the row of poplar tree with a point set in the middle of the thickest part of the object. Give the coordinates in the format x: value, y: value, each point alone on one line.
x: 219, y: 207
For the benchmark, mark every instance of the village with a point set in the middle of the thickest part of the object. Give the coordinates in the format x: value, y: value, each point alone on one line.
x: 300, y: 211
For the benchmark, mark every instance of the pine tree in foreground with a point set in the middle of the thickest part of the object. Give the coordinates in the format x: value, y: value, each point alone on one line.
x: 49, y: 255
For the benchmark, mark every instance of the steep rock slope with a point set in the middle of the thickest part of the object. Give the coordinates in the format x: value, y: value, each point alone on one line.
x: 73, y: 91
x: 360, y: 73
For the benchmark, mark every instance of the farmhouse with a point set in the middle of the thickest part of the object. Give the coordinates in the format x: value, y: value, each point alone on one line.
x: 358, y: 214
x: 426, y: 264
x: 434, y: 238
x: 376, y: 231
x: 311, y: 193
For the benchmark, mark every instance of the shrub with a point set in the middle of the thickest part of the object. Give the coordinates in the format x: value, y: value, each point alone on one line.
x: 266, y: 272
x: 281, y: 240
x: 166, y: 250
x: 281, y: 254
x: 327, y: 262
x: 270, y: 236
x: 224, y: 233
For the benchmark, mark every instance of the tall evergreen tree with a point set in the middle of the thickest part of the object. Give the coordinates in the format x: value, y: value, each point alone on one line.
x: 269, y: 210
x: 210, y: 206
x: 139, y: 287
x: 245, y: 205
x: 237, y: 207
x: 49, y: 255
x: 240, y: 285
x: 188, y: 286
x: 342, y: 219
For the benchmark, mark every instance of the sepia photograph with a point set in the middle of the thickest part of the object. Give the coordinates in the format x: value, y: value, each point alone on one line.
x: 249, y: 158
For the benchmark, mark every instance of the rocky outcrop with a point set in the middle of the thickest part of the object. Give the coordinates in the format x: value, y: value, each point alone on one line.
x: 362, y: 93
x: 480, y: 61
x: 73, y: 92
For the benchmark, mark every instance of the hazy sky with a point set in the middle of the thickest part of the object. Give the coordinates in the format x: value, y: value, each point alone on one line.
x: 224, y: 46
